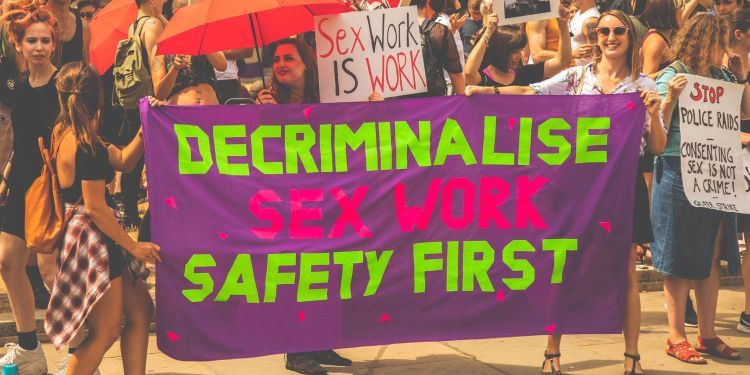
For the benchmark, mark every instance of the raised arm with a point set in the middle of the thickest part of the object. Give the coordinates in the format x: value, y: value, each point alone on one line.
x: 564, y: 55
x: 217, y: 60
x: 537, y: 33
x: 471, y: 67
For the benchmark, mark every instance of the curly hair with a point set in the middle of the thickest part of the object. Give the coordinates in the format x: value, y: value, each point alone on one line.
x: 18, y: 15
x: 698, y: 39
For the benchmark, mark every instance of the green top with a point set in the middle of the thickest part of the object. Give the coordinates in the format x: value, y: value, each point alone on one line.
x: 662, y: 83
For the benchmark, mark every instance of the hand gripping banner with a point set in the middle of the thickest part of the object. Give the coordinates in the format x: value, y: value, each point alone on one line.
x: 293, y: 228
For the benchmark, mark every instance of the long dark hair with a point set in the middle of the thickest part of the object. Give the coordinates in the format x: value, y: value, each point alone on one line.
x: 660, y: 15
x: 311, y: 93
x: 79, y: 91
x: 740, y: 20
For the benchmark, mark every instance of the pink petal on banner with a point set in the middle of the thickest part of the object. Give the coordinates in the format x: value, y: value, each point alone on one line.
x: 222, y: 235
x: 511, y: 123
x: 500, y: 296
x: 173, y: 336
x: 171, y: 202
x: 551, y: 328
x: 301, y: 316
x: 307, y: 111
x: 605, y: 225
x: 384, y: 318
x: 630, y: 106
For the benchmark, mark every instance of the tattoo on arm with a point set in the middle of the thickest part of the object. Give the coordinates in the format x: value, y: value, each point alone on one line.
x: 590, y: 33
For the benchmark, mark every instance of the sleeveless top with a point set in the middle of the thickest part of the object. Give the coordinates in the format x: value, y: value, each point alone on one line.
x: 662, y: 65
x: 201, y: 71
x: 72, y: 50
x: 89, y: 166
x: 552, y: 35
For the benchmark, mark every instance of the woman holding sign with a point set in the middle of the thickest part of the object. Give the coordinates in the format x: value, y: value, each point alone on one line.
x: 501, y: 48
x: 690, y: 241
x: 295, y: 81
x: 615, y: 70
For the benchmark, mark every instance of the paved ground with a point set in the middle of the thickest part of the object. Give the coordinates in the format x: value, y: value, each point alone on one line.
x: 591, y: 354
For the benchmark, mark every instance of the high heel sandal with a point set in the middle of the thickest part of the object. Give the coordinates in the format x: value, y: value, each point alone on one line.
x: 551, y: 359
x: 636, y: 358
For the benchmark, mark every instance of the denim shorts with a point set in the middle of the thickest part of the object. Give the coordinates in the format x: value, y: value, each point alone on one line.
x: 685, y: 235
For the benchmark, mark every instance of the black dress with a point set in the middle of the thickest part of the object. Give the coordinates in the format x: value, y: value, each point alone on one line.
x: 34, y: 112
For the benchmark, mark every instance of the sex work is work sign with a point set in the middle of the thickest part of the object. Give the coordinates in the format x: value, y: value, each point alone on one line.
x: 290, y: 228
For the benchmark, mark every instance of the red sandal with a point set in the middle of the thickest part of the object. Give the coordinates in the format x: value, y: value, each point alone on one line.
x: 685, y: 353
x: 711, y: 346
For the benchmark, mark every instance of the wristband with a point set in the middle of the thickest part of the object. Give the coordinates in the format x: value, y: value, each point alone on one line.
x: 497, y: 90
x: 744, y: 81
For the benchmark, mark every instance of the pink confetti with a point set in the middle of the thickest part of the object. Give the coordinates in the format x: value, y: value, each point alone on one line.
x: 384, y: 318
x: 511, y: 123
x: 551, y: 328
x: 500, y: 296
x: 307, y: 111
x: 173, y: 336
x: 222, y: 235
x: 605, y: 225
x: 630, y: 106
x: 301, y: 316
x: 171, y: 202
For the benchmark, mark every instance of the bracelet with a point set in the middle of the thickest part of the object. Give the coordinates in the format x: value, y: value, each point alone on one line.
x: 744, y: 81
x: 497, y: 90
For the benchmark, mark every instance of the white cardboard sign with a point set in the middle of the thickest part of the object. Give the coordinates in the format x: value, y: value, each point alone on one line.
x: 713, y: 171
x: 518, y: 11
x: 360, y: 53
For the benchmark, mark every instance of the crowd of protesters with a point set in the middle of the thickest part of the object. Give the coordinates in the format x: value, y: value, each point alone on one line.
x: 48, y: 90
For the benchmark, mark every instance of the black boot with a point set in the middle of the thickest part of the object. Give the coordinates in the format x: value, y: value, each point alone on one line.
x: 691, y: 318
x: 329, y: 357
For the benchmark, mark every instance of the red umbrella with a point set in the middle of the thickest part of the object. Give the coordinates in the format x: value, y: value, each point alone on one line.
x: 109, y: 26
x: 217, y: 25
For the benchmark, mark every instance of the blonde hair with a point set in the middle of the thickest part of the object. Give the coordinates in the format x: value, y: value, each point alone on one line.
x: 633, y: 53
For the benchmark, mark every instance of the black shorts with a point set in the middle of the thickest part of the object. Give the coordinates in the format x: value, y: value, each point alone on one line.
x: 642, y: 231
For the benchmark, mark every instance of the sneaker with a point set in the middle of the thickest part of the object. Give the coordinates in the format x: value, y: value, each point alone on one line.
x: 62, y: 367
x: 329, y: 357
x: 30, y: 362
x: 691, y: 318
x: 303, y: 364
x: 744, y: 324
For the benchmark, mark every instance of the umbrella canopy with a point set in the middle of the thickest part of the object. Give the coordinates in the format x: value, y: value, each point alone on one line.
x: 217, y: 25
x: 109, y: 26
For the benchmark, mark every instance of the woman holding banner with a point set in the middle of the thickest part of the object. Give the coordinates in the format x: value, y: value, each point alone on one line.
x: 295, y: 81
x: 93, y: 236
x: 501, y: 49
x: 739, y: 43
x: 615, y: 70
x: 690, y: 241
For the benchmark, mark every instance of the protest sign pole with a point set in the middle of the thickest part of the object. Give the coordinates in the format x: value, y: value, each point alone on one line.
x: 257, y: 52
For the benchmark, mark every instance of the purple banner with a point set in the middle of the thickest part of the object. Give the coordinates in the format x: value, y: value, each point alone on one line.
x: 293, y: 228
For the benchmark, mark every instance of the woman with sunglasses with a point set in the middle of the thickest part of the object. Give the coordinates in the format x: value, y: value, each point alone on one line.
x: 690, y: 241
x: 615, y: 70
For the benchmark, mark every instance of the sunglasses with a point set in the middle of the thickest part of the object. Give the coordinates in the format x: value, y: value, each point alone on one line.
x: 618, y: 30
x: 87, y: 15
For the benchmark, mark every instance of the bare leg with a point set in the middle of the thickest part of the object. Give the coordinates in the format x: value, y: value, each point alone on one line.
x: 48, y: 268
x: 13, y: 258
x: 676, y: 291
x: 553, y: 347
x: 104, y: 329
x: 707, y: 293
x: 631, y: 325
x: 138, y: 311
